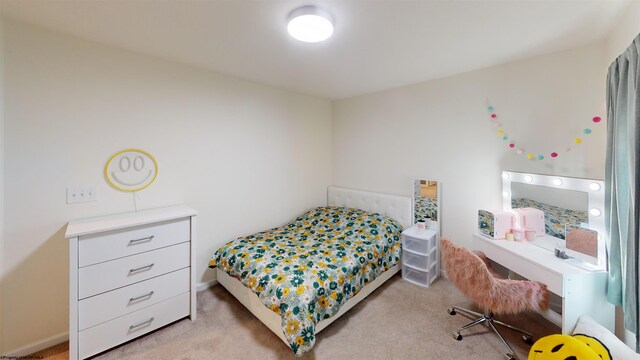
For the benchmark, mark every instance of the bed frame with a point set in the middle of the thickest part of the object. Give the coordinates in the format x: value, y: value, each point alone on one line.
x: 394, y: 206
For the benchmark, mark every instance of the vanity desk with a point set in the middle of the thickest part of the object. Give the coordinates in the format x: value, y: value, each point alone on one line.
x: 574, y: 225
x: 583, y: 292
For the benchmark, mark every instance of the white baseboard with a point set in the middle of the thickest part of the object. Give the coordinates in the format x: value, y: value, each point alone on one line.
x: 205, y: 285
x: 443, y: 273
x: 39, y: 345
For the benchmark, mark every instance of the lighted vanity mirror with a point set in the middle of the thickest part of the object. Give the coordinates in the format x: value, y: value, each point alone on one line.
x: 573, y: 212
x: 426, y: 203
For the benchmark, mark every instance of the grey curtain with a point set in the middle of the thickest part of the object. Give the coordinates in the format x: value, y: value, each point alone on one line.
x: 623, y: 184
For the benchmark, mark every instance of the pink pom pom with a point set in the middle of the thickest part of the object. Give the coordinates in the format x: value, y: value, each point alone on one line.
x: 493, y: 116
x: 554, y: 154
x: 512, y: 145
x: 520, y: 151
x: 597, y: 119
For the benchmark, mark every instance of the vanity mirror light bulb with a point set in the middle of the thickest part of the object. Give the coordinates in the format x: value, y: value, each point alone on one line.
x: 557, y: 182
x: 528, y: 178
x: 505, y: 175
x: 594, y: 186
x: 505, y: 194
x: 594, y: 212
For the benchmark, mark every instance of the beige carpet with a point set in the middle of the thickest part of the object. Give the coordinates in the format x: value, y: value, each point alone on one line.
x: 398, y: 321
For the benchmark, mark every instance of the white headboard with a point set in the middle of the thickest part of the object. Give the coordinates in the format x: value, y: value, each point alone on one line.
x: 395, y: 206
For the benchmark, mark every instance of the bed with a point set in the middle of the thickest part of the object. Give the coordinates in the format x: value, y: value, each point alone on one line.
x: 555, y: 218
x: 299, y: 278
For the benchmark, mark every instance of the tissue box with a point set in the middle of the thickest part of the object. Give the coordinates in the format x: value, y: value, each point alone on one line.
x: 495, y: 223
x: 530, y: 219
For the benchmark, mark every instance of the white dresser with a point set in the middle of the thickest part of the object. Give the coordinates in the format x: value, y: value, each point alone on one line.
x: 129, y: 274
x: 420, y: 256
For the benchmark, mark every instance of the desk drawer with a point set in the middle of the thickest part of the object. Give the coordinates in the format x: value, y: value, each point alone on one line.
x: 104, y: 307
x: 93, y: 249
x: 104, y: 336
x: 103, y: 277
x: 511, y: 255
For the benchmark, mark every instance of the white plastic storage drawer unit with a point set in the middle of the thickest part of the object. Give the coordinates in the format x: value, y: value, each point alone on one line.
x: 420, y: 256
x: 129, y: 274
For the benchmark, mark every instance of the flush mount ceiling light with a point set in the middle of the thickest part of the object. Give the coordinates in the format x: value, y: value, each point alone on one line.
x: 310, y: 24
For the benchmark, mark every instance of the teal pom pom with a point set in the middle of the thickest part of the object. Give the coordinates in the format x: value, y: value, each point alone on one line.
x: 540, y: 157
x: 587, y: 131
x: 504, y: 138
x: 490, y: 108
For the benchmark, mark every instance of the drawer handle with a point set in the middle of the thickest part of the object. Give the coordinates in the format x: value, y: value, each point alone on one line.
x: 133, y: 327
x: 138, y: 241
x: 146, y: 267
x: 140, y: 297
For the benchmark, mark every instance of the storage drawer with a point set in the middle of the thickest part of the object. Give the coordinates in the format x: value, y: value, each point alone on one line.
x: 103, y: 277
x: 419, y: 246
x: 420, y: 277
x: 415, y: 260
x: 104, y: 336
x: 105, y: 246
x: 104, y: 307
x: 434, y: 257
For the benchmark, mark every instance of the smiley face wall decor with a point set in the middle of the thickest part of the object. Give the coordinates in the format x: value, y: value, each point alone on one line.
x: 131, y: 170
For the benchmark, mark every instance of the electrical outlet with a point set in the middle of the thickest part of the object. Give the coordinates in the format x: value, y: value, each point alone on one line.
x: 80, y: 194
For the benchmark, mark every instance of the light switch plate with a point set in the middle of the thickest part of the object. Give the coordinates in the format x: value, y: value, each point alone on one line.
x: 78, y: 194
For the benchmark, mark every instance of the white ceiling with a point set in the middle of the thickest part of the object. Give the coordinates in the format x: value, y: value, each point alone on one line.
x: 376, y: 44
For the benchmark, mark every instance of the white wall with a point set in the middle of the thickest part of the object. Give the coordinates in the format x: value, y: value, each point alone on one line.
x: 2, y: 174
x: 627, y: 28
x: 247, y: 156
x: 440, y: 130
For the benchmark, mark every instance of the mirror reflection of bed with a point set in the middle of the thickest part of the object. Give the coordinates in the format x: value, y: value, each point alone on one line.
x: 561, y: 206
x: 426, y: 201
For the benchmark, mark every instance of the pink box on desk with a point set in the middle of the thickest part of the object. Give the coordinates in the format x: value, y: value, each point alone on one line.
x: 530, y: 219
x: 495, y: 223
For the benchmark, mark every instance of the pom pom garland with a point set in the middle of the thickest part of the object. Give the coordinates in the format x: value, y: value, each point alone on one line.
x: 512, y: 144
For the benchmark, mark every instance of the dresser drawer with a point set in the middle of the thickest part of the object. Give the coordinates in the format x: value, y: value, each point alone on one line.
x: 104, y: 307
x: 104, y: 336
x: 100, y: 247
x: 106, y: 276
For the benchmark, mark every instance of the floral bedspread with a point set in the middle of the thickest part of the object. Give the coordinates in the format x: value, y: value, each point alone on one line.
x: 555, y: 218
x: 304, y: 271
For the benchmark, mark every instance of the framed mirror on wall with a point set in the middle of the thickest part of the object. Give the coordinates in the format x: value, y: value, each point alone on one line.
x: 426, y: 203
x: 573, y: 213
